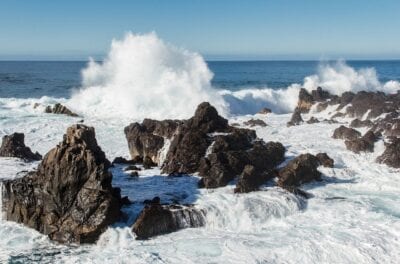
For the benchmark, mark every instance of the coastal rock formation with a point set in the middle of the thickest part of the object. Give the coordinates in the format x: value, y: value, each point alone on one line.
x: 301, y: 169
x: 255, y: 122
x: 391, y: 155
x: 296, y: 118
x: 251, y: 179
x: 363, y: 144
x: 346, y: 133
x: 14, y: 146
x: 156, y: 219
x: 69, y: 197
x: 357, y: 123
x: 59, y: 109
x: 307, y: 100
x: 325, y: 160
x: 264, y: 111
x: 312, y: 120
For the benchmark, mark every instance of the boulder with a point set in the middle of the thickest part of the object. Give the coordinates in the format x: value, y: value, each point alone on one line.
x: 391, y: 155
x: 312, y: 120
x: 60, y: 109
x: 251, y: 179
x: 357, y: 123
x: 70, y: 197
x: 346, y: 133
x: 255, y: 122
x: 301, y: 169
x: 121, y: 160
x: 296, y: 118
x: 363, y: 144
x: 14, y: 146
x: 325, y: 160
x: 156, y: 219
x: 305, y: 101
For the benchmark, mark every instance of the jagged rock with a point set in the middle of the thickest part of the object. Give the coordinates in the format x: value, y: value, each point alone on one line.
x: 357, y: 123
x: 148, y: 138
x: 301, y: 169
x: 255, y: 122
x: 346, y: 133
x: 363, y: 144
x: 312, y: 120
x: 158, y: 219
x: 148, y: 163
x: 121, y: 160
x: 264, y: 111
x: 325, y: 160
x: 134, y: 174
x: 343, y: 100
x: 305, y: 101
x: 59, y: 109
x: 389, y: 125
x: 338, y: 114
x: 69, y: 197
x: 320, y: 95
x: 251, y: 179
x: 391, y: 155
x: 296, y: 118
x: 13, y: 146
x: 131, y: 168
x: 322, y: 106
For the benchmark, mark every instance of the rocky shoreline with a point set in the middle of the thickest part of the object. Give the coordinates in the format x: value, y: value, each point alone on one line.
x: 71, y: 199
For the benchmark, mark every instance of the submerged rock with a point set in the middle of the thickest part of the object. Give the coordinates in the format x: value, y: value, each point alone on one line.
x: 301, y: 169
x: 391, y: 155
x: 14, y: 146
x: 70, y: 197
x: 346, y: 133
x: 264, y: 111
x: 255, y: 122
x: 157, y: 219
x: 60, y: 109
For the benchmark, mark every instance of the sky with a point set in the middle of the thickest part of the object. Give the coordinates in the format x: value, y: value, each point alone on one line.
x: 218, y: 29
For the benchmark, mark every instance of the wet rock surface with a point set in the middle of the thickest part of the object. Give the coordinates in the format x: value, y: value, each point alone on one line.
x: 14, y: 146
x: 251, y: 179
x: 60, y: 109
x: 357, y: 123
x: 296, y: 118
x: 346, y: 133
x: 391, y: 155
x: 69, y: 197
x: 363, y: 144
x: 301, y: 169
x: 325, y: 160
x: 255, y: 122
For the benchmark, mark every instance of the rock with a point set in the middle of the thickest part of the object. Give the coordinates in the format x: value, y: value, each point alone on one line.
x: 357, y: 123
x: 325, y: 160
x: 131, y: 168
x: 264, y: 111
x: 255, y: 122
x: 159, y: 219
x: 70, y: 197
x: 305, y: 101
x: 391, y: 155
x: 346, y: 133
x: 320, y: 95
x: 134, y: 174
x: 251, y: 179
x: 148, y: 163
x: 36, y: 105
x: 121, y: 160
x: 60, y: 109
x: 301, y: 169
x: 296, y: 119
x: 13, y: 146
x: 322, y: 106
x: 312, y: 120
x: 338, y: 114
x: 363, y: 144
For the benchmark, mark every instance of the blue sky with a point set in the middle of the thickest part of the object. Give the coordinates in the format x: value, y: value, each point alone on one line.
x: 219, y: 29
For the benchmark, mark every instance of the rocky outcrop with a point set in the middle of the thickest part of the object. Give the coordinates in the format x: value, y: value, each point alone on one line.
x: 391, y: 155
x: 60, y: 109
x: 357, y: 123
x: 296, y: 119
x: 255, y: 122
x: 156, y: 219
x: 14, y: 146
x: 148, y: 138
x: 346, y: 133
x: 264, y: 111
x: 69, y: 197
x: 251, y: 179
x: 312, y: 120
x: 307, y: 100
x: 325, y: 160
x: 363, y: 144
x: 301, y: 169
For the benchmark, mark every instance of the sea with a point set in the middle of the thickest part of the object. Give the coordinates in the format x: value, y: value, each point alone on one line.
x: 353, y: 215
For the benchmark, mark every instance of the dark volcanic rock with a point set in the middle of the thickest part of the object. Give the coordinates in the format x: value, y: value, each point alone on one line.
x: 255, y: 122
x: 59, y: 109
x: 363, y: 144
x: 70, y: 197
x: 13, y: 146
x: 121, y: 160
x: 312, y: 120
x: 357, y: 123
x: 148, y: 163
x: 296, y: 118
x: 346, y: 133
x: 305, y: 101
x: 264, y: 111
x: 251, y: 179
x: 147, y: 138
x: 158, y: 219
x: 300, y: 170
x: 391, y: 155
x: 325, y: 160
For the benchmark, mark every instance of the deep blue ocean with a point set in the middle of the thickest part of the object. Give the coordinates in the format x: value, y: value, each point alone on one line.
x: 34, y: 79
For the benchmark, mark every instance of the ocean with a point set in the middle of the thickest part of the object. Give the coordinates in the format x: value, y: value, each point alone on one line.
x: 352, y: 217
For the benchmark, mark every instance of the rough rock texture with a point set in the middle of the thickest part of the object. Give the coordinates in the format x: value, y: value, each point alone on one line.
x: 300, y: 170
x: 357, y: 123
x: 147, y: 138
x: 325, y: 160
x: 158, y: 219
x: 391, y: 155
x: 346, y: 133
x: 363, y: 144
x: 70, y: 197
x: 251, y: 179
x: 59, y: 109
x: 121, y: 160
x: 306, y: 100
x: 255, y: 122
x: 296, y: 118
x: 13, y: 146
